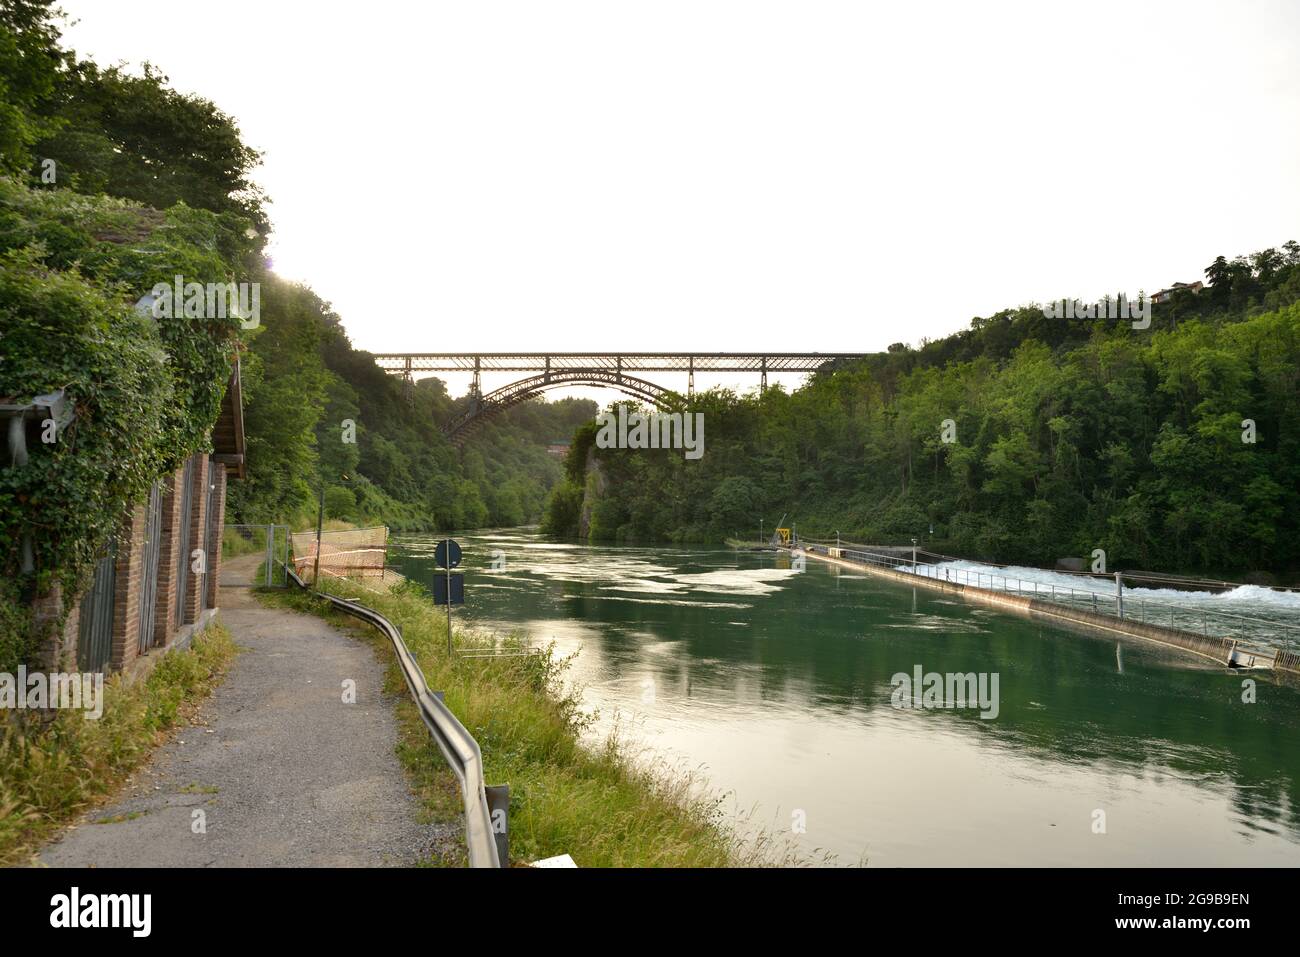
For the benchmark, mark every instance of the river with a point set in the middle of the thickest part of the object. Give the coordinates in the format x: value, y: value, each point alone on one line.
x: 777, y: 684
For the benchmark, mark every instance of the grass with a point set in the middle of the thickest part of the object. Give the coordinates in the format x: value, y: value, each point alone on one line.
x: 199, y: 788
x: 606, y: 806
x: 56, y: 764
x: 120, y: 818
x: 233, y: 544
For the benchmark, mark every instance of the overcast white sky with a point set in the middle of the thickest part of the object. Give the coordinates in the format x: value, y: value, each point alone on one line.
x: 733, y: 176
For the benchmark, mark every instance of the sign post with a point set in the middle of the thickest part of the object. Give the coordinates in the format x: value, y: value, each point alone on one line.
x: 447, y: 556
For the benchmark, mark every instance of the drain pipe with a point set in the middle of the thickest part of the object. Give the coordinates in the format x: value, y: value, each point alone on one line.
x: 16, y: 445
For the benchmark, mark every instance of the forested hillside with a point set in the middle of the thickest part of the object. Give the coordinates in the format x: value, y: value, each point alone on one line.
x: 1068, y: 435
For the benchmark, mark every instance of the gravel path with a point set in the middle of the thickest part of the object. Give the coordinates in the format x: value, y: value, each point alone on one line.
x: 284, y: 773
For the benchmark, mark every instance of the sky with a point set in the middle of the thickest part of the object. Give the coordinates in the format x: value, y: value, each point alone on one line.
x: 720, y: 176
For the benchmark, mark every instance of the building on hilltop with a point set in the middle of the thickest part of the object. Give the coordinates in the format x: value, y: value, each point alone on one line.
x: 1164, y: 295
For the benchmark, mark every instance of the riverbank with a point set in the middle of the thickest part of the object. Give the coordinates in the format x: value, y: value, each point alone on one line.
x: 606, y: 806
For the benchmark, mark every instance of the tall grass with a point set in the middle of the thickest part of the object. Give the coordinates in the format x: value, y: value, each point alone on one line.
x: 606, y: 806
x: 55, y: 764
x: 234, y: 544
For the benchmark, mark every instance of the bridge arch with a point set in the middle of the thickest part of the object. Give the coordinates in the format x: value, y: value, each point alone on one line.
x: 496, y: 402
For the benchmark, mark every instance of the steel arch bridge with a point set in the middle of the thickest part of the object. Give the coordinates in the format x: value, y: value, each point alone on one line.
x: 617, y: 370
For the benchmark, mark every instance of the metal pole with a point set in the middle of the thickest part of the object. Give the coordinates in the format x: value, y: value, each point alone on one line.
x: 270, y: 554
x: 320, y: 522
x: 498, y: 800
x: 449, y: 651
x: 1119, y: 594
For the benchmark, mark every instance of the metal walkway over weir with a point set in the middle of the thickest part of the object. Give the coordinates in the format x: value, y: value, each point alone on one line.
x: 617, y: 370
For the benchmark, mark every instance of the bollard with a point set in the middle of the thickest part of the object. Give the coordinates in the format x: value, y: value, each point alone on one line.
x: 498, y: 800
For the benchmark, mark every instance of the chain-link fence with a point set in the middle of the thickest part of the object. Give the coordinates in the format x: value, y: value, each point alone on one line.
x: 345, y: 553
x: 254, y: 556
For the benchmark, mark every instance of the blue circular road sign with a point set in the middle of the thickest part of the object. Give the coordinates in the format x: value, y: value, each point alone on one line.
x: 447, y: 554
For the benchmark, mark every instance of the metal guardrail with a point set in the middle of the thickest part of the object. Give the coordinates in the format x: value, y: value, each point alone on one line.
x: 453, y: 739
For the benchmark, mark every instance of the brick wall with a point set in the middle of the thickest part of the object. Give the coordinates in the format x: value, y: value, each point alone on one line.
x: 169, y: 545
x: 47, y: 609
x: 126, y: 589
x: 71, y: 634
x: 130, y: 561
x: 218, y: 479
x: 198, y: 511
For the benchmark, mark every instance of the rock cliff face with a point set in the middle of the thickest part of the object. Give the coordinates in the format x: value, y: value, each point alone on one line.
x: 593, y: 489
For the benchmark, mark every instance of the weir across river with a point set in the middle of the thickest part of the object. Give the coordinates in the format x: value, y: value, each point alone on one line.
x: 1080, y: 607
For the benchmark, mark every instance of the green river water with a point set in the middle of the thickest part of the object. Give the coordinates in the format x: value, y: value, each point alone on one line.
x: 775, y: 684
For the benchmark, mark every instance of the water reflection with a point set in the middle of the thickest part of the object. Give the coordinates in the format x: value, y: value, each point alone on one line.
x: 779, y: 682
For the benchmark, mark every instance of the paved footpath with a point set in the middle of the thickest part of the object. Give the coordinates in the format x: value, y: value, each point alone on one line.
x: 284, y: 772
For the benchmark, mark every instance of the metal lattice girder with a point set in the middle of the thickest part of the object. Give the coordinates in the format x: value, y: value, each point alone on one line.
x: 516, y: 392
x: 562, y: 362
x: 590, y: 368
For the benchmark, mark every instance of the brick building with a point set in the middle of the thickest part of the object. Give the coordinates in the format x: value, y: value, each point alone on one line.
x: 157, y: 584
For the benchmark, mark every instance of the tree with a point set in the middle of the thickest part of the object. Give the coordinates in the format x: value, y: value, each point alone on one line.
x: 30, y: 65
x: 133, y: 136
x: 733, y: 504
